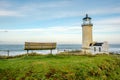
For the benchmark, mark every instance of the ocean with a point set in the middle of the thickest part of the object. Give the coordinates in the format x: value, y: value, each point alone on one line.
x: 19, y: 49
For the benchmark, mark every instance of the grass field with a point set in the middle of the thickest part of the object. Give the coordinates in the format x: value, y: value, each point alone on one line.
x: 61, y: 67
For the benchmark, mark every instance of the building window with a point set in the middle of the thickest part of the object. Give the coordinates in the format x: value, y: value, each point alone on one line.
x: 95, y: 49
x: 99, y: 49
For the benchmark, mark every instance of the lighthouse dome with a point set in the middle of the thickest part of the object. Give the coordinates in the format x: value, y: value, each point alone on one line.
x: 86, y: 18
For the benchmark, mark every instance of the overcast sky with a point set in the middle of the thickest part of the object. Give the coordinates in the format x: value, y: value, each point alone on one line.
x: 58, y: 20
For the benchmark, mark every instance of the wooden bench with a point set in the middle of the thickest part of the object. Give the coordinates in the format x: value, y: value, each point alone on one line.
x: 39, y: 46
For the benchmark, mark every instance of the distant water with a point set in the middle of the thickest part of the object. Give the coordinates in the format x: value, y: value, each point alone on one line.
x: 19, y: 49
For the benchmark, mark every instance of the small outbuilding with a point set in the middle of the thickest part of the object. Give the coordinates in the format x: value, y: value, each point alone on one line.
x: 99, y: 47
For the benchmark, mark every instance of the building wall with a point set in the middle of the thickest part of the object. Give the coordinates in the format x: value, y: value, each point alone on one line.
x: 86, y: 36
x: 96, y: 49
x: 105, y: 46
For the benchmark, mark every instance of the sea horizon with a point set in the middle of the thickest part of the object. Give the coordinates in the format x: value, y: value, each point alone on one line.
x: 17, y: 49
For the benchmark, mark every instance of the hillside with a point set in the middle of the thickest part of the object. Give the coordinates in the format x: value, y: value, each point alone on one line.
x: 61, y: 67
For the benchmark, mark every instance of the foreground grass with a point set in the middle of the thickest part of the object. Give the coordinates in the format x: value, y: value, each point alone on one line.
x: 61, y: 67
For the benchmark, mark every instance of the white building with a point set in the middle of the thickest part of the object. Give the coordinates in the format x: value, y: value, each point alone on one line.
x: 98, y: 48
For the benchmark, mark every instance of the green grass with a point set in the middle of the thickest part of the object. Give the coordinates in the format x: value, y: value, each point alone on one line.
x: 60, y: 67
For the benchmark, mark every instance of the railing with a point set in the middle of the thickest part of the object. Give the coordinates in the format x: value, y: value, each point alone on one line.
x: 11, y: 52
x: 88, y: 24
x: 58, y: 50
x: 20, y: 52
x: 8, y: 51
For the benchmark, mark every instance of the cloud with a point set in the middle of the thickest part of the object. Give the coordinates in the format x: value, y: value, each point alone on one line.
x: 5, y: 4
x: 104, y: 10
x: 31, y: 8
x: 111, y: 38
x: 48, y: 10
x: 52, y: 9
x: 55, y: 29
x: 107, y: 25
x: 109, y: 21
x: 9, y: 13
x: 59, y: 34
x: 7, y: 9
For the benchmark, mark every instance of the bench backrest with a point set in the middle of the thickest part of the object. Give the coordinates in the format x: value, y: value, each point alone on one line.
x: 39, y: 46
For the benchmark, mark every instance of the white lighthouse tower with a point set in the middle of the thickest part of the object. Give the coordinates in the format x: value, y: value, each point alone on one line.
x: 86, y: 34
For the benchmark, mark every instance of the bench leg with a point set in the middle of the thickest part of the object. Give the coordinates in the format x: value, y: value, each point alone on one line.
x: 51, y: 51
x: 27, y: 52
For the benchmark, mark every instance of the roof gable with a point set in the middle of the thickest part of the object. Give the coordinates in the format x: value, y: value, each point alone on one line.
x: 96, y: 44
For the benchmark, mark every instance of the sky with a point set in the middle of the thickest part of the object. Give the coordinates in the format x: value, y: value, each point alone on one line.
x: 58, y: 21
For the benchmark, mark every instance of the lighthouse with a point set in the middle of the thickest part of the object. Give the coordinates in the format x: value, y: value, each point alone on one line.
x: 87, y: 38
